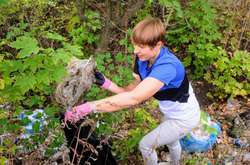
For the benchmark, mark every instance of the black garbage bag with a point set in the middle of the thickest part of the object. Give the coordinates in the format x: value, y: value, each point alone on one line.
x: 85, y: 147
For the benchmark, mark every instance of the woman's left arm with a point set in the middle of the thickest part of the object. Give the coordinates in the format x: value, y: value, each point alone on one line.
x: 143, y: 91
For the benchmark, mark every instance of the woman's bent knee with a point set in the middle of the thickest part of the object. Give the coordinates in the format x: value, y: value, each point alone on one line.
x: 144, y: 147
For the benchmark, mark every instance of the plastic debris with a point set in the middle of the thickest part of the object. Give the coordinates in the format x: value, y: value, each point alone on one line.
x: 241, y: 144
x: 37, y: 115
x: 200, y: 139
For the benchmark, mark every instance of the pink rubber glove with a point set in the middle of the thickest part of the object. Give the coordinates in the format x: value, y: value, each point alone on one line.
x: 102, y: 81
x: 69, y: 116
x: 106, y: 84
x: 82, y: 110
x: 77, y: 113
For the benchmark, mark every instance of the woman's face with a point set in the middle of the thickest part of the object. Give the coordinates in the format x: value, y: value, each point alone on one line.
x: 145, y: 52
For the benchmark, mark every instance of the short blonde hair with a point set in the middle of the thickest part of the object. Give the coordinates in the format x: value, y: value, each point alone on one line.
x: 148, y: 32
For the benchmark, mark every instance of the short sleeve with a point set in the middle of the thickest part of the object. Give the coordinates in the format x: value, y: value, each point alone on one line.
x: 163, y: 72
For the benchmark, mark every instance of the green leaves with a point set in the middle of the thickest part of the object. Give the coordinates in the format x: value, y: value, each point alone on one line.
x: 36, y: 126
x: 54, y: 36
x: 120, y: 57
x: 74, y: 50
x: 230, y: 74
x: 27, y: 46
x: 60, y: 56
x: 33, y: 59
x: 173, y: 5
x: 194, y: 32
x: 59, y: 73
x: 1, y: 84
x: 3, y: 2
x: 25, y: 83
x: 143, y: 122
x: 34, y: 69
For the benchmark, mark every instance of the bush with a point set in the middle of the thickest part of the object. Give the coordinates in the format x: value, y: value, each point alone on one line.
x: 230, y: 76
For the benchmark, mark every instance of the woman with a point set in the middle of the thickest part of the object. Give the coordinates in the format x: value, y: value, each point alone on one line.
x: 157, y: 73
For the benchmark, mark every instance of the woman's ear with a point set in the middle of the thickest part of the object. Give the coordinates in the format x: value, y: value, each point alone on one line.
x: 159, y: 44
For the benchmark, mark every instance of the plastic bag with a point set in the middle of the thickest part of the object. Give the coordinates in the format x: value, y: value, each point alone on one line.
x: 37, y: 116
x: 203, y: 137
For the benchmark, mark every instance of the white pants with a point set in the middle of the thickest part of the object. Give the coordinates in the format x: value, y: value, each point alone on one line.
x: 168, y: 133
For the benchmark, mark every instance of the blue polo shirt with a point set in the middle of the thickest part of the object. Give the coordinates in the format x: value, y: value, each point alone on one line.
x: 167, y: 68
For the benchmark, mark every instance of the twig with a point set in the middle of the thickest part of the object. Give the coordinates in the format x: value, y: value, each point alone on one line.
x: 168, y: 17
x: 243, y: 31
x: 87, y: 122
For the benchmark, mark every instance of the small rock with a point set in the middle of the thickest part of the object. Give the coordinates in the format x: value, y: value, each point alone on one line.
x: 229, y: 161
x: 246, y: 157
x: 246, y: 118
x: 232, y: 104
x: 238, y: 127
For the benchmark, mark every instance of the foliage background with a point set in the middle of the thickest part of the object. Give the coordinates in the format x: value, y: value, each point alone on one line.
x: 38, y: 38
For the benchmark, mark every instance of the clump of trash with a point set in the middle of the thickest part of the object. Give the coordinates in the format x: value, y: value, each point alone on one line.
x: 203, y: 137
x: 79, y: 79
